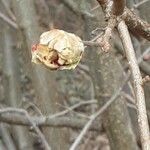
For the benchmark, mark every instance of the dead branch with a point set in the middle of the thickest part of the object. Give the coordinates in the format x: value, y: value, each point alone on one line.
x: 139, y: 92
x: 104, y: 41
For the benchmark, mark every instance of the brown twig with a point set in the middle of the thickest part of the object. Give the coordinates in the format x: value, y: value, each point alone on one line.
x: 139, y: 92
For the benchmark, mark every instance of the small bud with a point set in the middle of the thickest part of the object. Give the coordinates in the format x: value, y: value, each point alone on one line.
x: 58, y: 49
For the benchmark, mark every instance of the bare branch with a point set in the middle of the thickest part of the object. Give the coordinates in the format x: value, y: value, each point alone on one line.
x: 139, y: 92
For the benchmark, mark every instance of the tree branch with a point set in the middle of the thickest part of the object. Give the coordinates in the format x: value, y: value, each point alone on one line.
x: 139, y: 92
x: 60, y: 122
x: 136, y: 25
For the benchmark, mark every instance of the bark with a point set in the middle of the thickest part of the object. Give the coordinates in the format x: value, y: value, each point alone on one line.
x: 107, y: 75
x: 44, y: 81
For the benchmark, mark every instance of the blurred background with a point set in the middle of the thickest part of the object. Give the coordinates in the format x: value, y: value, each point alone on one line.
x: 80, y: 92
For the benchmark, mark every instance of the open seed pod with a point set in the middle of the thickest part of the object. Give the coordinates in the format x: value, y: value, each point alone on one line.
x: 58, y: 49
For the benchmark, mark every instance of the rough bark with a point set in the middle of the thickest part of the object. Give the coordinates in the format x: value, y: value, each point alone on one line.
x: 43, y: 80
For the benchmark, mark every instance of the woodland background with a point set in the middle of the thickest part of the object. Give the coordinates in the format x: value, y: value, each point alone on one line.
x: 37, y: 94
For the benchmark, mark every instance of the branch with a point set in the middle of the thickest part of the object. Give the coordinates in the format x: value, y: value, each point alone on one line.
x: 140, y: 3
x: 8, y: 20
x: 136, y: 25
x: 139, y: 92
x: 74, y: 8
x: 60, y: 122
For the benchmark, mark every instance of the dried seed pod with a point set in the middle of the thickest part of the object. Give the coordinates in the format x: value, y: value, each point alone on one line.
x: 58, y: 49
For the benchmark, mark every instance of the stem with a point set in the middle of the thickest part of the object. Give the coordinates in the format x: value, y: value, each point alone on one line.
x: 137, y: 78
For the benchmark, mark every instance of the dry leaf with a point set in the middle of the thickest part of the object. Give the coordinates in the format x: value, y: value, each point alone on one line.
x: 58, y: 49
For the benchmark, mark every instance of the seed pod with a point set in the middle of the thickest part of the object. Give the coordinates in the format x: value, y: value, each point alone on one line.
x: 58, y: 49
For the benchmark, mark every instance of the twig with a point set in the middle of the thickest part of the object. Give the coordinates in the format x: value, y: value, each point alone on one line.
x: 8, y: 20
x: 72, y: 108
x: 139, y: 92
x: 90, y: 43
x: 73, y: 7
x: 94, y: 8
x: 10, y: 13
x: 95, y: 115
x: 140, y: 3
x: 25, y: 113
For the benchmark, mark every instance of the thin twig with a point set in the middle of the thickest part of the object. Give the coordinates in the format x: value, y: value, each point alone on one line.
x: 95, y: 115
x: 140, y: 3
x: 10, y: 13
x: 8, y: 20
x: 139, y: 92
x: 72, y: 108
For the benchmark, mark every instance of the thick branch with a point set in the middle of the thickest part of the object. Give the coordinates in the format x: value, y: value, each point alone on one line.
x: 139, y: 92
x: 136, y: 25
